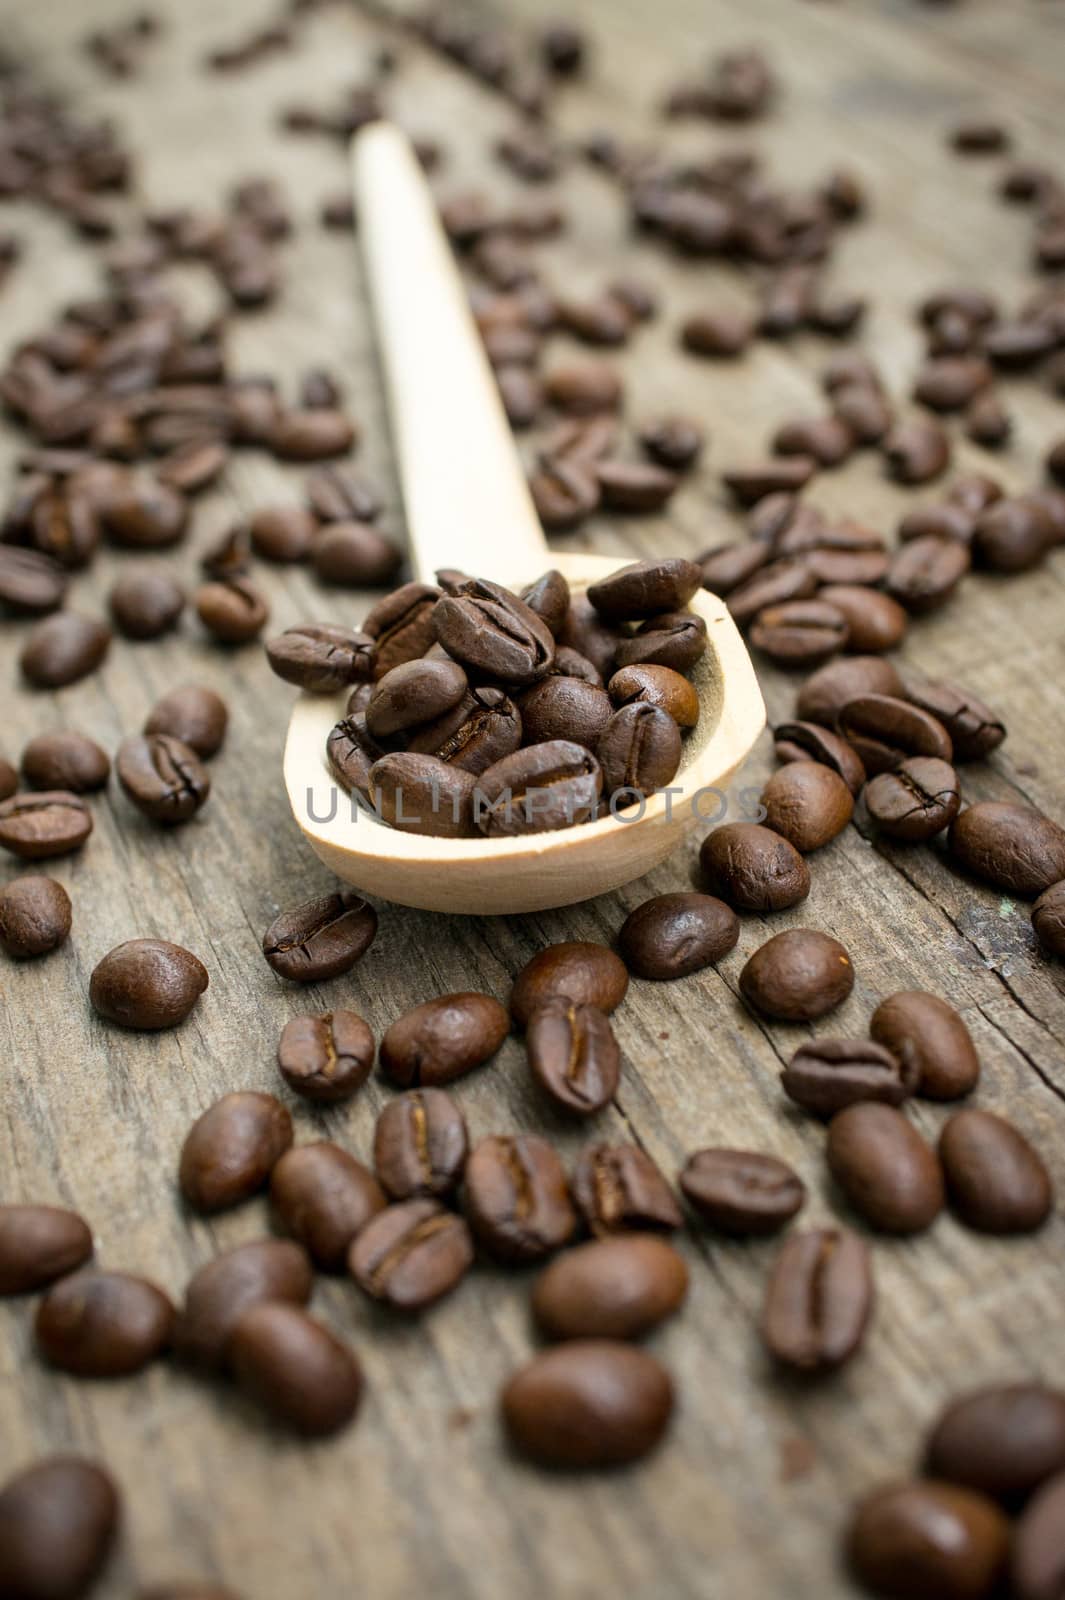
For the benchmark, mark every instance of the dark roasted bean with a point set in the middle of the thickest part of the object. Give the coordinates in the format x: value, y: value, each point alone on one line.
x: 617, y: 1288
x: 673, y: 441
x: 874, y: 621
x: 742, y: 1192
x: 58, y: 1520
x: 63, y: 649
x: 480, y: 730
x: 619, y: 1189
x: 320, y: 939
x: 164, y: 778
x: 313, y: 435
x: 411, y: 1254
x: 565, y: 708
x: 888, y: 1173
x: 517, y: 1199
x: 220, y: 1292
x: 1003, y: 1441
x: 645, y: 588
x: 233, y: 611
x: 886, y: 730
x: 585, y: 973
x: 443, y: 1039
x: 827, y: 1075
x: 639, y: 751
x: 797, y: 976
x: 147, y: 984
x: 50, y: 823
x: 145, y: 605
x: 1013, y: 847
x: 996, y: 1181
x: 231, y: 1150
x: 808, y: 741
x: 336, y: 494
x: 807, y: 803
x: 674, y: 639
x: 282, y: 533
x: 656, y: 686
x: 402, y: 625
x: 673, y: 935
x: 416, y: 793
x: 974, y: 728
x: 1048, y: 919
x: 929, y: 1039
x: 637, y: 486
x: 65, y: 760
x: 588, y: 1403
x: 753, y: 868
x: 785, y: 473
x: 915, y: 801
x: 354, y: 555
x: 326, y: 1057
x: 320, y: 657
x: 1011, y: 535
x: 294, y: 1366
x: 491, y: 629
x: 39, y: 1244
x: 800, y: 633
x: 779, y: 583
x: 573, y: 1055
x: 420, y: 1145
x: 31, y: 583
x: 924, y: 573
x: 917, y: 451
x: 414, y: 693
x: 35, y: 916
x: 819, y: 1300
x: 928, y: 1541
x: 825, y: 693
x: 323, y: 1198
x: 540, y: 788
x: 102, y: 1324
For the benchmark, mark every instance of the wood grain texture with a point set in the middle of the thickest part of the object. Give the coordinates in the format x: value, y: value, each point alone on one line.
x: 419, y: 1497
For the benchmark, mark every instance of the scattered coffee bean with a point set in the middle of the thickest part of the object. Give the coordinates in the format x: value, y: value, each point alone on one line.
x: 103, y: 1324
x: 312, y: 435
x: 885, y: 731
x: 916, y: 801
x: 336, y: 494
x: 1011, y: 846
x: 145, y: 605
x: 799, y: 633
x: 573, y: 1056
x: 824, y: 694
x: 326, y: 1057
x: 65, y: 760
x: 930, y: 1041
x: 1048, y: 919
x: 587, y: 974
x: 63, y: 649
x: 656, y: 686
x: 808, y: 741
x: 147, y: 984
x: 233, y: 611
x: 741, y: 1192
x: 1003, y: 1441
x: 282, y: 533
x: 797, y: 976
x: 220, y: 1292
x: 58, y: 1521
x: 924, y: 573
x: 320, y: 658
x: 294, y: 1366
x: 928, y: 1541
x: 752, y: 868
x: 31, y: 583
x: 420, y: 1145
x: 320, y: 939
x: 231, y: 1150
x: 996, y: 1181
x: 35, y: 916
x: 974, y: 728
x: 916, y: 452
x: 354, y: 555
x: 39, y: 1244
x: 618, y: 1288
x: 195, y: 715
x: 619, y: 1189
x: 1011, y: 535
x: 50, y: 823
x: 164, y: 778
x: 888, y: 1173
x: 323, y: 1197
x: 674, y: 935
x: 443, y: 1039
x: 827, y: 1075
x: 411, y: 1254
x: 588, y: 1403
x: 674, y: 442
x: 875, y: 621
x: 819, y: 1300
x: 807, y: 803
x: 517, y: 1199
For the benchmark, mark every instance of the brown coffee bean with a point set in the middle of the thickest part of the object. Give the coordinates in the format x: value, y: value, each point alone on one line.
x: 354, y: 555
x: 490, y: 629
x: 336, y: 494
x: 863, y: 411
x: 63, y: 649
x: 585, y: 631
x: 220, y: 1292
x: 826, y: 440
x: 807, y: 803
x: 323, y: 1197
x: 987, y: 422
x: 888, y: 1173
x: 674, y: 935
x: 50, y: 823
x: 780, y: 475
x: 721, y: 332
x: 320, y: 657
x: 401, y: 624
x: 656, y: 686
x: 571, y: 664
x: 412, y: 792
x: 65, y: 760
x: 588, y: 1403
x: 195, y: 715
x: 103, y: 1324
x: 312, y: 435
x: 147, y: 984
x: 420, y: 1145
x: 618, y: 1288
x: 752, y: 868
x: 517, y: 1199
x: 875, y: 621
x: 929, y: 1541
x: 39, y: 1244
x: 145, y: 605
x: 799, y: 633
x: 1004, y: 1441
x: 930, y: 1040
x: 728, y: 567
x: 674, y: 639
x: 573, y: 1056
x: 585, y: 973
x: 778, y: 584
x: 165, y: 779
x: 619, y: 1189
x: 1011, y: 535
x: 1016, y: 345
x: 1048, y: 919
x: 35, y: 916
x: 411, y: 1255
x: 942, y: 521
x: 916, y: 801
x: 282, y: 533
x: 320, y: 939
x: 996, y: 1181
x: 564, y: 492
x: 30, y: 583
x: 443, y: 1039
x: 949, y: 383
x: 565, y: 708
x: 645, y: 588
x: 974, y: 491
x: 537, y: 789
x: 549, y: 597
x: 233, y: 612
x: 916, y: 451
x: 231, y: 1150
x: 413, y: 694
x: 635, y: 486
x: 825, y: 693
x: 639, y: 751
x: 1012, y: 847
x: 673, y: 441
x: 924, y: 573
x: 886, y: 731
x: 326, y: 1057
x: 293, y: 1366
x: 58, y: 1520
x: 974, y: 728
x: 827, y: 1075
x: 819, y: 1300
x: 808, y: 741
x: 741, y: 1192
x: 797, y: 976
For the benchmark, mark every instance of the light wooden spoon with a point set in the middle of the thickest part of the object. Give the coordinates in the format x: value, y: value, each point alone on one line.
x: 468, y: 506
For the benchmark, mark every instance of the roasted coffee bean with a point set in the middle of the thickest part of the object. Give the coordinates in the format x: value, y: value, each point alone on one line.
x: 354, y: 555
x: 326, y: 1057
x: 996, y: 1181
x: 65, y: 760
x: 916, y: 801
x: 825, y: 693
x: 220, y: 1292
x: 639, y: 751
x: 587, y: 974
x: 50, y: 823
x: 537, y: 789
x: 480, y: 730
x: 886, y: 731
x: 928, y: 1541
x: 141, y: 513
x: 1003, y: 1441
x: 741, y: 1192
x: 231, y: 1150
x: 195, y: 715
x: 417, y: 793
x: 753, y: 868
x: 323, y: 1197
x: 618, y: 1288
x: 402, y: 626
x: 295, y: 1368
x: 778, y: 584
x: 645, y: 588
x: 1016, y: 345
x: 420, y: 1145
x: 917, y: 451
x: 564, y: 492
x: 830, y: 566
x: 827, y: 1075
x: 63, y: 649
x: 674, y: 639
x: 797, y: 976
x: 819, y: 1300
x: 949, y: 383
x: 443, y: 1039
x: 30, y: 583
x: 677, y: 934
x: 282, y: 533
x: 924, y: 573
x: 520, y: 389
x: 320, y: 657
x: 1048, y: 919
x: 728, y: 567
x: 58, y: 1520
x: 780, y: 475
x: 549, y: 597
x: 863, y: 411
x: 826, y: 440
x: 807, y: 803
x: 35, y: 916
x: 930, y: 1041
x: 722, y: 332
x: 39, y: 1244
x: 987, y: 422
x: 942, y: 521
x: 147, y: 984
x: 164, y: 778
x: 490, y: 629
x: 320, y: 939
x: 571, y: 664
x: 412, y: 694
x: 619, y: 1189
x: 875, y: 621
x: 973, y: 492
x: 228, y: 557
x: 888, y: 1173
x: 411, y: 1254
x: 1011, y: 535
x: 974, y: 728
x: 799, y: 633
x: 637, y: 486
x: 336, y: 494
x: 103, y: 1324
x: 1012, y: 847
x: 517, y: 1199
x: 565, y: 708
x: 573, y: 1055
x: 233, y: 612
x: 673, y: 441
x: 145, y: 605
x: 588, y: 1403
x: 312, y: 435
x: 656, y: 686
x: 351, y: 754
x: 808, y: 741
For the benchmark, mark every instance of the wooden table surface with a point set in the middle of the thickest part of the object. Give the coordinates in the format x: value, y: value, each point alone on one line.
x: 749, y: 1494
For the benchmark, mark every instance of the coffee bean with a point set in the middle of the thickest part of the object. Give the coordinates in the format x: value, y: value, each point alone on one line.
x: 517, y: 1199
x: 1048, y: 919
x: 753, y: 868
x: 220, y: 1292
x: 1014, y: 345
x: 164, y: 778
x: 807, y: 803
x: 722, y: 332
x: 549, y: 598
x: 588, y: 1403
x: 233, y: 612
x: 480, y: 730
x: 323, y: 1197
x: 656, y: 686
x: 928, y: 1541
x: 618, y: 1189
x: 490, y: 629
x: 565, y: 708
x: 420, y: 1145
x: 673, y: 441
x: 618, y: 1288
x: 8, y: 779
x: 411, y: 1254
x: 320, y: 939
x: 974, y: 491
x: 930, y: 1041
x: 30, y: 583
x: 996, y: 1181
x: 797, y: 976
x: 987, y: 422
x: 35, y: 916
x: 674, y: 639
x: 917, y: 451
x: 808, y: 741
x: 103, y: 1324
x: 326, y: 1057
x: 949, y: 383
x: 729, y: 567
x: 195, y: 715
x: 1013, y: 847
x: 412, y: 694
x: 943, y: 521
x: 924, y: 573
x: 336, y: 494
x: 635, y: 486
x: 826, y: 440
x: 741, y: 1192
x: 674, y: 935
x: 974, y: 728
x: 864, y: 411
x: 443, y: 1039
x: 570, y: 663
x: 293, y: 1366
x: 141, y: 513
x: 564, y: 492
x: 585, y: 631
x: 1004, y: 1441
x: 886, y: 731
x: 799, y: 633
x: 50, y: 823
x: 282, y: 533
x: 888, y: 1173
x: 228, y: 557
x: 414, y: 793
x: 145, y: 605
x: 65, y: 760
x: 1011, y: 535
x: 39, y: 1244
x: 875, y: 621
x: 778, y: 584
x: 783, y: 474
x: 587, y: 974
x: 312, y: 435
x: 819, y: 1300
x: 645, y: 588
x: 147, y: 984
x: 320, y: 657
x: 827, y: 1075
x: 825, y: 693
x: 540, y: 788
x: 58, y: 1520
x: 63, y: 649
x: 573, y: 1056
x: 916, y: 801
x: 354, y: 555
x: 639, y: 752
x: 231, y: 1150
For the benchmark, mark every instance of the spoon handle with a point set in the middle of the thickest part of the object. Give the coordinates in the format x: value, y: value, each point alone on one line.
x: 467, y: 501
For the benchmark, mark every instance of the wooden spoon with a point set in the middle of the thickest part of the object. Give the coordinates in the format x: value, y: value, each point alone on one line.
x: 468, y: 506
